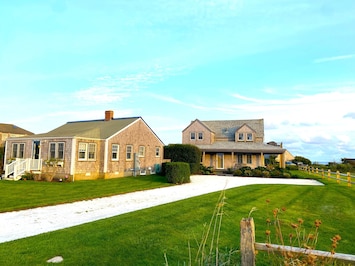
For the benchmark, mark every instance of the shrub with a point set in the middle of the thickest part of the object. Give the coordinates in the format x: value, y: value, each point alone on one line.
x: 238, y: 172
x: 28, y: 176
x: 287, y: 175
x: 184, y: 153
x: 266, y: 173
x: 177, y: 172
x: 257, y: 173
x: 206, y: 170
x: 276, y: 173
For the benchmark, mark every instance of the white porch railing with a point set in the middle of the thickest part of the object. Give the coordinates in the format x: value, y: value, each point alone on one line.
x: 20, y: 166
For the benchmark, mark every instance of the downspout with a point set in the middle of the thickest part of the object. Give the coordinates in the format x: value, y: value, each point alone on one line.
x: 105, y: 156
x: 73, y: 153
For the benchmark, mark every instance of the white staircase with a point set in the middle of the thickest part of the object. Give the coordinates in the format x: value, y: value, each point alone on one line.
x: 15, y: 169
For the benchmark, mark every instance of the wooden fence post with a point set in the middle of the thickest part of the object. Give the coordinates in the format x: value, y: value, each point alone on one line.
x: 349, y: 179
x: 338, y: 177
x: 247, y: 242
x: 322, y: 172
x: 328, y: 174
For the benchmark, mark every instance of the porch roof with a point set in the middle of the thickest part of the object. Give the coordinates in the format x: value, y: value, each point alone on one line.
x: 244, y: 147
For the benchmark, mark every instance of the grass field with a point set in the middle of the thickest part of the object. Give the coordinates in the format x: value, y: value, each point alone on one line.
x: 28, y: 194
x: 145, y: 237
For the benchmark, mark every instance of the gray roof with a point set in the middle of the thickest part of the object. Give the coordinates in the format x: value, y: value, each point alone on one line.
x: 227, y: 128
x: 244, y: 147
x: 97, y: 129
x: 13, y: 129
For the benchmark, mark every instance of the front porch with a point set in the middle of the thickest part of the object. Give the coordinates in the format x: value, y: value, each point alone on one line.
x: 15, y: 169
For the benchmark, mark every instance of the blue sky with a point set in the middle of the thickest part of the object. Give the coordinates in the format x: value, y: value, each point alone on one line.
x: 289, y: 62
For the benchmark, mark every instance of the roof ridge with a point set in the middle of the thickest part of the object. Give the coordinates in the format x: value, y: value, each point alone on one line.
x: 99, y: 120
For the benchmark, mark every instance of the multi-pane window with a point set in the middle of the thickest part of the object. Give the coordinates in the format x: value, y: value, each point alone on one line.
x: 200, y: 135
x: 82, y: 151
x: 192, y: 135
x: 240, y: 136
x: 18, y: 150
x: 249, y: 137
x: 56, y: 150
x: 141, y: 151
x: 91, y: 151
x: 249, y: 159
x: 157, y: 151
x: 240, y: 158
x: 129, y: 151
x: 87, y: 151
x: 115, y: 152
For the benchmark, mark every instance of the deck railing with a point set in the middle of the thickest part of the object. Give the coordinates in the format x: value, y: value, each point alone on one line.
x: 20, y: 166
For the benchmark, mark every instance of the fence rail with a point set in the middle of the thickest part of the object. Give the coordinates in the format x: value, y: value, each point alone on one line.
x: 248, y: 246
x: 339, y: 177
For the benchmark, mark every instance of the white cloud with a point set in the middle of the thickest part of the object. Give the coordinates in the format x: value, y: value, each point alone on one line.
x: 334, y: 58
x: 99, y: 95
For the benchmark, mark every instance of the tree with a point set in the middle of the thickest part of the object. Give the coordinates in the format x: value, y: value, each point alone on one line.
x: 184, y: 153
x: 300, y: 159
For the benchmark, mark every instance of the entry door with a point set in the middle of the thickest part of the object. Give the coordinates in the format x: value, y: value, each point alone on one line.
x: 35, y: 151
x: 220, y: 161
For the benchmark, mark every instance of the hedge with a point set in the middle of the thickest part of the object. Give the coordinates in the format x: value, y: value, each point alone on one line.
x: 177, y: 172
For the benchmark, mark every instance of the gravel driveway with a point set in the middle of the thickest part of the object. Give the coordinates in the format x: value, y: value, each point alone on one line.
x: 25, y: 223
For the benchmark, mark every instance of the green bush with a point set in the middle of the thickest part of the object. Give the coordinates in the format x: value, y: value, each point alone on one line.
x: 206, y: 170
x: 266, y: 173
x: 184, y: 153
x: 28, y: 176
x: 238, y: 172
x: 177, y: 172
x: 257, y: 173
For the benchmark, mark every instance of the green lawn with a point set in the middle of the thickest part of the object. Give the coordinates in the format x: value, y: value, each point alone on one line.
x: 143, y: 237
x: 28, y: 194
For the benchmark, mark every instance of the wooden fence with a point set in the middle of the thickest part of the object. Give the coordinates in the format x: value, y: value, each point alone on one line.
x: 339, y: 177
x: 248, y: 247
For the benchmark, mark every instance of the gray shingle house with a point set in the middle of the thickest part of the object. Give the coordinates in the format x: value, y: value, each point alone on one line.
x: 102, y: 148
x: 231, y: 143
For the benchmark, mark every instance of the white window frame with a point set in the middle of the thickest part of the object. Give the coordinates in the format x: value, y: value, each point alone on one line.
x: 57, y: 152
x: 249, y: 136
x: 129, y: 152
x: 141, y: 151
x: 91, y: 151
x: 115, y: 152
x: 157, y: 151
x: 82, y: 150
x: 88, y: 150
x: 19, y: 151
x: 192, y: 135
x: 200, y: 136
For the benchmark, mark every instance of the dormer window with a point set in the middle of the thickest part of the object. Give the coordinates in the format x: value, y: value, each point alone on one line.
x: 249, y: 137
x: 192, y: 136
x: 200, y: 136
x: 240, y: 136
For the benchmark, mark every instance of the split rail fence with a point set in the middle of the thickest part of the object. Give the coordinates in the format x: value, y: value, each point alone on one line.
x: 339, y: 177
x: 248, y: 247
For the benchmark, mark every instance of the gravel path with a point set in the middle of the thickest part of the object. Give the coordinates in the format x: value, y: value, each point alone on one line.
x: 21, y: 224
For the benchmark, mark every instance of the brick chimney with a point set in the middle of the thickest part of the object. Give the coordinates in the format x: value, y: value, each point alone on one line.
x: 108, y: 115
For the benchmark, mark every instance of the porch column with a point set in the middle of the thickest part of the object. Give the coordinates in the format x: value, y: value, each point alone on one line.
x: 282, y: 160
x: 262, y: 158
x: 203, y: 157
x: 233, y: 163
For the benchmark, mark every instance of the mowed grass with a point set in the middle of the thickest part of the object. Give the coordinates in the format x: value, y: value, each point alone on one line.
x: 29, y: 194
x: 144, y: 237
